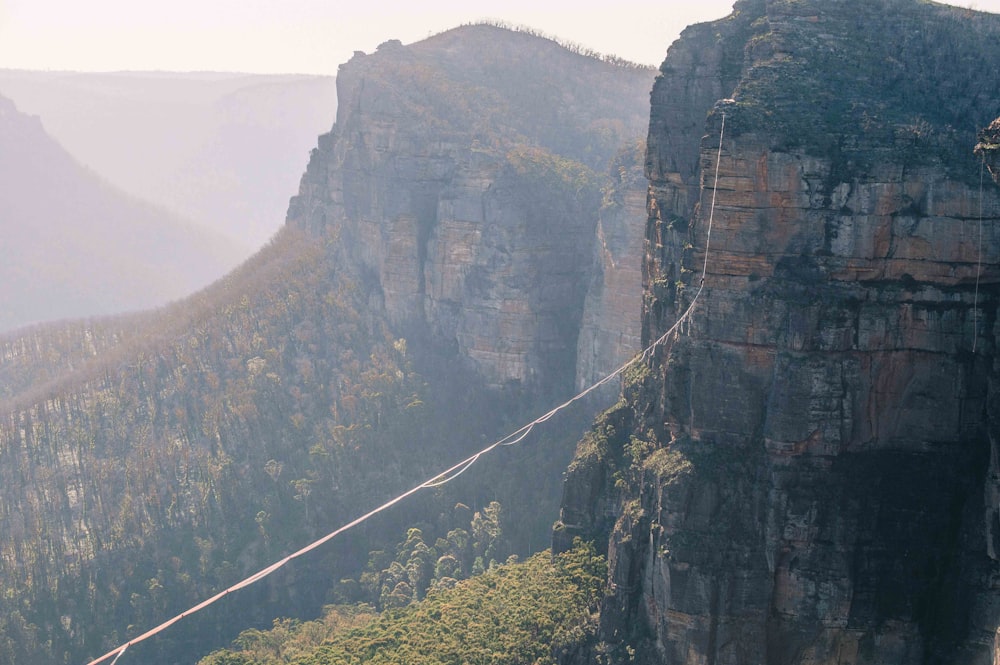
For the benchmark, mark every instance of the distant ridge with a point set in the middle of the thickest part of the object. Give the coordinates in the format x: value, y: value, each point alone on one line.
x: 76, y: 246
x: 573, y: 47
x: 224, y: 150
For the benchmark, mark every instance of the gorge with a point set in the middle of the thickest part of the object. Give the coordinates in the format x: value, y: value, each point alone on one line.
x: 805, y: 473
x: 426, y: 292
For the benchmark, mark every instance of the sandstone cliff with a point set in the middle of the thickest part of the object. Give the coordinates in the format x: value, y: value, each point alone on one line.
x: 609, y: 333
x: 465, y: 173
x: 807, y: 473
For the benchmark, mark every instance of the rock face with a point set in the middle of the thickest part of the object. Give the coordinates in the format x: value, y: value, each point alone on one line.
x: 805, y: 473
x: 471, y: 192
x: 611, y: 328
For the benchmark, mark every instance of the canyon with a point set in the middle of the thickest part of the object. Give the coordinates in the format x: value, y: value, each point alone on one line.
x: 427, y: 291
x: 801, y: 469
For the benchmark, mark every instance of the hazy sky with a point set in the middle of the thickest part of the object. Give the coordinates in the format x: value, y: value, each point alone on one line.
x: 314, y: 36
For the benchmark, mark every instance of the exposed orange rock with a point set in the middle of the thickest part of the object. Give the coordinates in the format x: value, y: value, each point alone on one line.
x: 824, y: 429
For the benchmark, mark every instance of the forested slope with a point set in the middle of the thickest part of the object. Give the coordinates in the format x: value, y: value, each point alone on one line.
x: 149, y: 461
x: 539, y: 612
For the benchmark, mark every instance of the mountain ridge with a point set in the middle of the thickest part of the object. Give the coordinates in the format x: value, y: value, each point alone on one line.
x: 221, y: 149
x: 103, y: 250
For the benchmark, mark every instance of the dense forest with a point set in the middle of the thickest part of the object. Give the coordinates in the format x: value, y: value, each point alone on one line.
x: 540, y: 611
x: 178, y: 461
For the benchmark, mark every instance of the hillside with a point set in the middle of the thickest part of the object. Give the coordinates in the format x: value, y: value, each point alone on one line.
x: 539, y: 612
x: 77, y: 246
x: 223, y: 150
x: 148, y: 461
x: 806, y: 473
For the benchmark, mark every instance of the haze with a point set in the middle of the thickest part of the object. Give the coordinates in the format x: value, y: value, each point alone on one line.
x: 222, y: 154
x: 312, y: 36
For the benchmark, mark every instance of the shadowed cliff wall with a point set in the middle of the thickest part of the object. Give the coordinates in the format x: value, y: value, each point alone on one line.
x: 806, y: 474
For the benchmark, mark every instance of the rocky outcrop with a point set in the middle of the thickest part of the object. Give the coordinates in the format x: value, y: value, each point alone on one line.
x: 804, y: 474
x: 466, y: 183
x: 989, y: 148
x: 610, y: 330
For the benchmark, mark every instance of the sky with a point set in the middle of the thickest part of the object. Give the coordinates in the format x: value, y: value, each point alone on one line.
x: 315, y: 36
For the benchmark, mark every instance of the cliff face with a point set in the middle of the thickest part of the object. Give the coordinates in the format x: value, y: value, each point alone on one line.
x: 467, y: 176
x: 610, y: 330
x: 807, y: 473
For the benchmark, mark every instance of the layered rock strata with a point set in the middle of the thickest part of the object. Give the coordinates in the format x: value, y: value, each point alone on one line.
x: 610, y: 331
x: 805, y: 473
x: 468, y: 187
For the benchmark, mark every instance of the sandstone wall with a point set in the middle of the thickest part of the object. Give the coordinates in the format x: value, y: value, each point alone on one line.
x: 469, y: 188
x: 611, y: 328
x: 806, y: 474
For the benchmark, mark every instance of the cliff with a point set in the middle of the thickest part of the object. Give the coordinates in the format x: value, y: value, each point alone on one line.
x: 610, y: 330
x: 806, y: 473
x: 466, y: 174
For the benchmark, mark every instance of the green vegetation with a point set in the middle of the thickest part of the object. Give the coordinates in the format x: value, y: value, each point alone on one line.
x: 400, y: 578
x: 552, y: 173
x: 602, y: 439
x: 190, y: 447
x: 513, y: 614
x: 668, y: 463
x: 127, y: 483
x: 867, y: 81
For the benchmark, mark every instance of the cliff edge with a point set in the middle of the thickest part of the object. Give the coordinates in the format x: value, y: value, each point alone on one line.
x: 465, y: 172
x: 806, y: 473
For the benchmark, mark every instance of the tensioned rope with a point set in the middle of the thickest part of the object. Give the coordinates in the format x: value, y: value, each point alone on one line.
x: 979, y: 259
x: 451, y: 473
